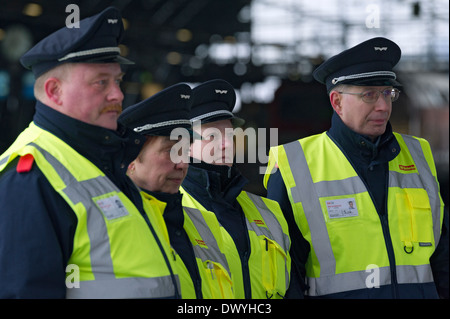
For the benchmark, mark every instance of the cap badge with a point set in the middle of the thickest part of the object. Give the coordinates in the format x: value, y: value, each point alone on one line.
x: 185, y: 96
x: 380, y: 48
x: 221, y: 91
x: 112, y: 21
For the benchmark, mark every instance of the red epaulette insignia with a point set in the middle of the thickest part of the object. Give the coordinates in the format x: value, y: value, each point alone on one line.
x: 25, y: 163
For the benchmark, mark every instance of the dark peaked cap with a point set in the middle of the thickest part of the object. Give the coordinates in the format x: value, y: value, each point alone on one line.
x: 214, y: 101
x: 369, y: 63
x: 95, y: 41
x: 160, y: 113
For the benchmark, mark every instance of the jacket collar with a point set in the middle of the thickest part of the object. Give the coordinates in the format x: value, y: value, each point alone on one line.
x: 99, y: 145
x: 173, y: 212
x: 216, y: 180
x: 171, y: 200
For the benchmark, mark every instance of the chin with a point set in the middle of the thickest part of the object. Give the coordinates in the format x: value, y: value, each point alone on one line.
x: 110, y: 126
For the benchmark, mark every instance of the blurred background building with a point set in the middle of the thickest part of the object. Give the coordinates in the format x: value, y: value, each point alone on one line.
x: 266, y: 49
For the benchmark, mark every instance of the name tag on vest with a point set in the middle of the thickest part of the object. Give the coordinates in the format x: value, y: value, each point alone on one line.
x: 112, y: 207
x: 340, y: 208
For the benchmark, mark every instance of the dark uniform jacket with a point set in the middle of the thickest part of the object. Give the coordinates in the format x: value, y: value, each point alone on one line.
x: 37, y: 226
x: 179, y: 240
x: 370, y: 161
x: 216, y: 188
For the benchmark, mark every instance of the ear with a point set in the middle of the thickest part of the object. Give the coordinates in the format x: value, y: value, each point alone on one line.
x: 131, y: 168
x: 53, y: 90
x: 336, y: 100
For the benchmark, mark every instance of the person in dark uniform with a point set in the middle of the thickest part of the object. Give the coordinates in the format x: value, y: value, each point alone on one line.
x: 215, y: 184
x: 159, y: 170
x: 394, y: 242
x: 65, y: 197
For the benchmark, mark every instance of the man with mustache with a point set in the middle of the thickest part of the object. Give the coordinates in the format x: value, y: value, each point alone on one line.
x: 159, y: 170
x: 66, y: 202
x: 393, y: 243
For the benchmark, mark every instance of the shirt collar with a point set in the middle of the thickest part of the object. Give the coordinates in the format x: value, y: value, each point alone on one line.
x: 385, y: 147
x: 216, y: 179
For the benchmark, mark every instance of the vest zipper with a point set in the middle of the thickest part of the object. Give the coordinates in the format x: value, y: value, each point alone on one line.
x: 166, y: 259
x: 390, y: 252
x: 387, y: 238
x: 246, y: 275
x: 246, y: 256
x: 198, y: 280
x: 383, y: 220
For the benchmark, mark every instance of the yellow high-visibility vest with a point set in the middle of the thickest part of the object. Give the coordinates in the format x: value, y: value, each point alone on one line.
x: 203, y: 230
x: 347, y: 242
x: 117, y: 253
x: 269, y: 262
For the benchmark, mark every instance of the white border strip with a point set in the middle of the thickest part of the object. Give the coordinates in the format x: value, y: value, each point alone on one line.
x: 89, y: 52
x: 364, y: 75
x: 161, y: 124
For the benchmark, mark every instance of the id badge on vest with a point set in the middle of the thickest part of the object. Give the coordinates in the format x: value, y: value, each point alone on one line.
x: 111, y: 206
x: 341, y: 208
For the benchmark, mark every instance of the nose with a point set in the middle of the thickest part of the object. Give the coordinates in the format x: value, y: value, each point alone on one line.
x: 182, y: 165
x: 183, y: 160
x: 116, y: 94
x: 227, y: 141
x: 383, y: 103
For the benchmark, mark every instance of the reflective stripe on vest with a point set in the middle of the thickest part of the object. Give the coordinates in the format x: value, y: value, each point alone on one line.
x: 275, y: 233
x: 212, y: 262
x: 50, y: 153
x: 427, y: 180
x: 308, y: 193
x: 274, y: 230
x: 4, y: 161
x: 101, y: 263
x: 258, y: 217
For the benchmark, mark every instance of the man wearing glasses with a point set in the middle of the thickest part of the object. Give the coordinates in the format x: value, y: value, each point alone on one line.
x: 394, y: 243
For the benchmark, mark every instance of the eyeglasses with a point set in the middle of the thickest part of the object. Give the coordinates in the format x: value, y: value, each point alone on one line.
x: 372, y: 96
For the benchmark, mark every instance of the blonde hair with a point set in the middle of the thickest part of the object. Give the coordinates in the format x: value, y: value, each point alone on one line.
x: 59, y: 72
x: 339, y: 88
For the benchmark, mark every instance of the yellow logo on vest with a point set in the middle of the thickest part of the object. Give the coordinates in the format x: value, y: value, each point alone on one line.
x: 111, y: 206
x: 341, y: 208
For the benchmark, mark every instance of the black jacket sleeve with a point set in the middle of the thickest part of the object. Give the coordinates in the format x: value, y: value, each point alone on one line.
x: 440, y: 260
x: 276, y: 190
x: 36, y: 236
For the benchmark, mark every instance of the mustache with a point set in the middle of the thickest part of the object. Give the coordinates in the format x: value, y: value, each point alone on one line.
x: 113, y: 107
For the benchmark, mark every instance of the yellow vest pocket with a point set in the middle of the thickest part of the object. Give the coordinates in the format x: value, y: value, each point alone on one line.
x: 218, y: 280
x: 272, y: 275
x: 415, y: 218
